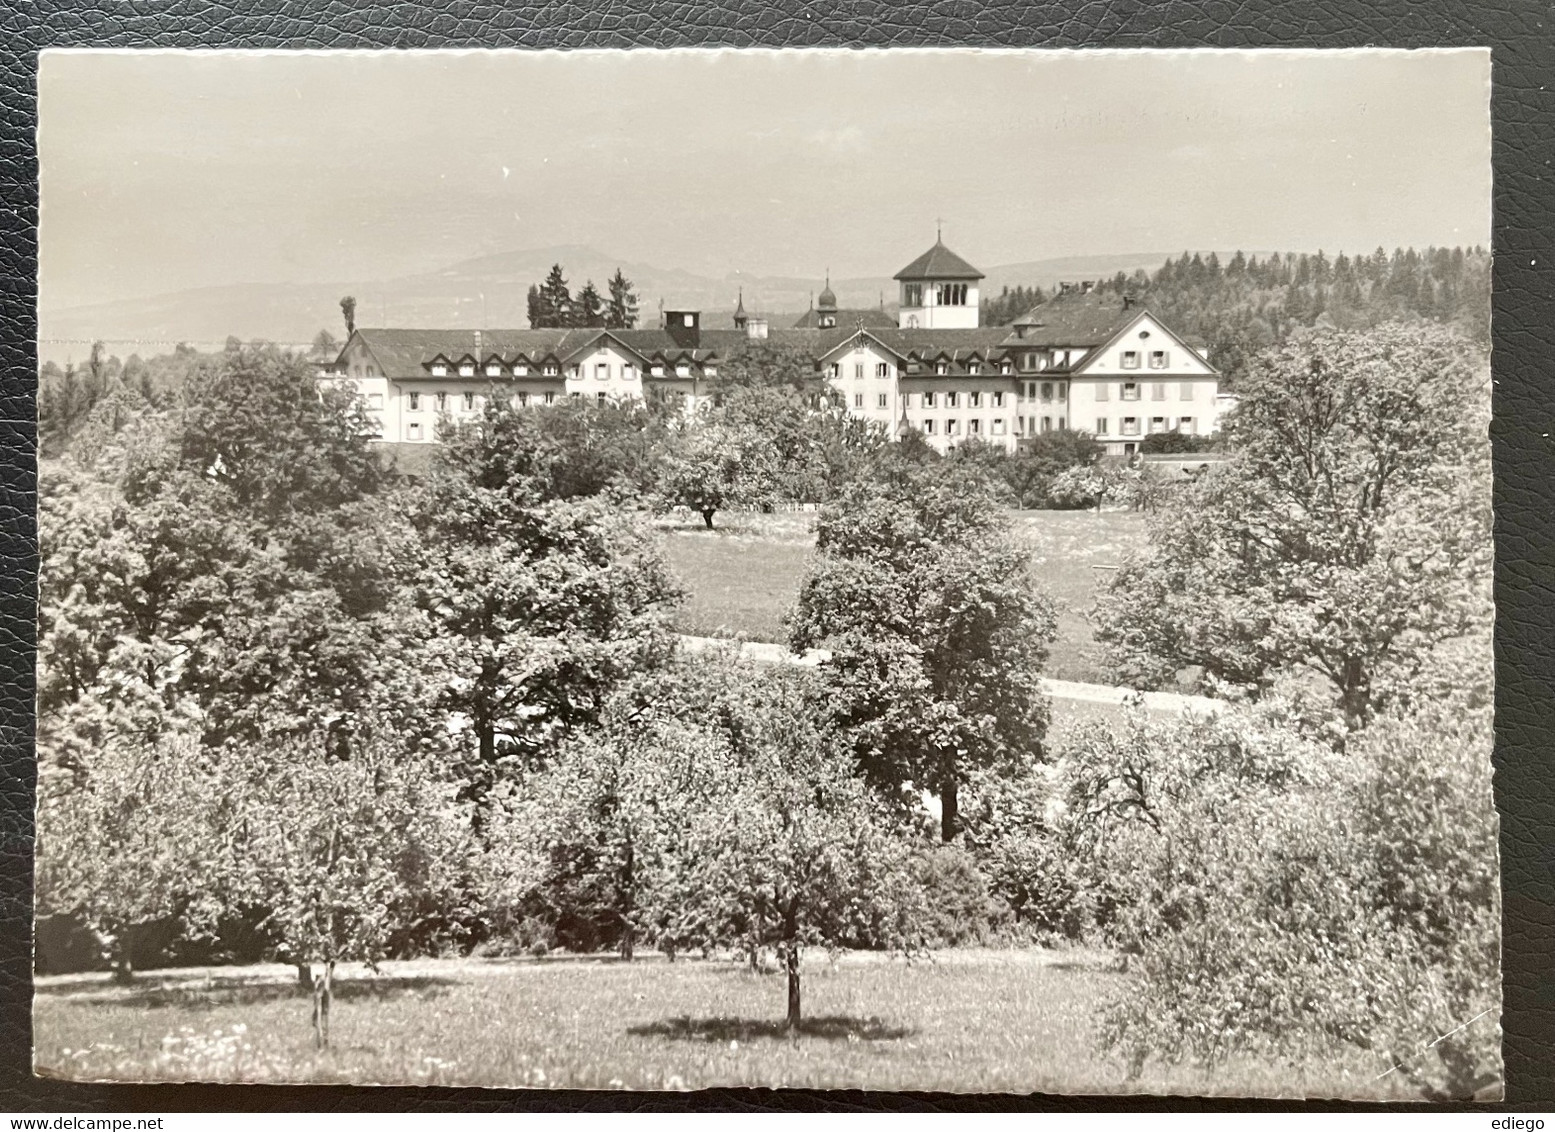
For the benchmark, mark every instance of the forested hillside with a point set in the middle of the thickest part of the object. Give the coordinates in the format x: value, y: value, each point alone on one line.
x: 1246, y: 304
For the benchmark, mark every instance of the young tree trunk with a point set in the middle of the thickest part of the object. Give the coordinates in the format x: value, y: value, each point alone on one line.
x: 950, y: 808
x: 124, y: 961
x: 323, y: 994
x: 627, y: 943
x: 792, y: 957
x: 305, y: 976
x: 707, y: 517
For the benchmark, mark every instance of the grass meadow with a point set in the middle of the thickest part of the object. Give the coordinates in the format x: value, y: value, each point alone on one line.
x: 961, y: 1021
x: 741, y: 577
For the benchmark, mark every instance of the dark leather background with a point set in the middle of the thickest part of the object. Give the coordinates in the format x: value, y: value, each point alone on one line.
x: 1518, y: 30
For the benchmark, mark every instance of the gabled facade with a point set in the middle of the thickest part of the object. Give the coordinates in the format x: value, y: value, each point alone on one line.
x: 1083, y: 360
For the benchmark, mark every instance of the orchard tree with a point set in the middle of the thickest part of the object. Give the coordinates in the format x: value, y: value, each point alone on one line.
x: 924, y: 597
x: 784, y: 846
x: 339, y: 843
x: 1348, y: 535
x: 712, y: 466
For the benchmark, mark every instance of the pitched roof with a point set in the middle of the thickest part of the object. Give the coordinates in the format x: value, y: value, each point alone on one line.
x: 1073, y: 319
x: 873, y: 317
x: 939, y: 262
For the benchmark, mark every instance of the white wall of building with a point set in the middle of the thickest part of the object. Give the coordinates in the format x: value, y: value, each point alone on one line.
x: 931, y: 315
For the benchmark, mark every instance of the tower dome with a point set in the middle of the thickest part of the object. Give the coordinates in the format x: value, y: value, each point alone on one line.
x: 827, y: 301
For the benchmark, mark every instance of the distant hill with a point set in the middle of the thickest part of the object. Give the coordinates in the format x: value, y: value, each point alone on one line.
x: 485, y: 291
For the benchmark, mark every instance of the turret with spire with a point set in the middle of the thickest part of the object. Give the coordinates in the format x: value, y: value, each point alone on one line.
x: 739, y: 311
x: 939, y: 289
x: 826, y: 305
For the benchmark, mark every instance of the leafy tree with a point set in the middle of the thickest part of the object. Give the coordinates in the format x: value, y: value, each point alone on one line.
x: 339, y: 846
x: 621, y: 311
x: 938, y: 637
x: 711, y: 466
x: 348, y: 313
x: 1348, y: 535
x: 784, y: 845
x: 537, y: 607
x: 1277, y: 897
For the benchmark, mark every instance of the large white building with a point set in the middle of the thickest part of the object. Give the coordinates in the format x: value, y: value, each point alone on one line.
x: 1085, y: 360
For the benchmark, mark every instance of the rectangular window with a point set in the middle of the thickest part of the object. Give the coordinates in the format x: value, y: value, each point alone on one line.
x: 523, y: 398
x: 413, y: 431
x: 941, y: 368
x: 1005, y: 368
x: 1157, y: 424
x: 1158, y: 391
x: 1031, y: 390
x: 997, y: 427
x: 415, y: 402
x: 858, y: 371
x: 912, y: 295
x: 1047, y: 390
x: 550, y: 397
x: 882, y: 399
x: 1047, y: 424
x: 469, y: 402
x: 600, y: 397
x: 928, y: 400
x: 974, y: 399
x: 1185, y: 391
x: 439, y: 370
x: 974, y: 426
x: 952, y: 427
x: 1102, y: 391
x: 442, y: 402
x: 575, y: 395
x: 1028, y: 361
x: 656, y: 371
x: 521, y: 370
x: 950, y: 400
x: 627, y: 372
x: 1130, y: 391
x: 1130, y: 359
x: 1130, y: 426
x: 998, y: 400
x: 682, y: 371
x: 375, y: 400
x: 882, y: 370
x: 974, y: 367
x: 928, y: 427
x: 493, y: 371
x: 602, y: 371
x: 1185, y: 425
x: 858, y: 400
x: 1157, y: 359
x: 467, y: 369
x: 1063, y: 392
x: 1101, y: 426
x: 550, y: 370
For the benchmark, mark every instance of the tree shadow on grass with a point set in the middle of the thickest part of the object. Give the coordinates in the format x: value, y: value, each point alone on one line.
x: 832, y: 1028
x: 199, y: 995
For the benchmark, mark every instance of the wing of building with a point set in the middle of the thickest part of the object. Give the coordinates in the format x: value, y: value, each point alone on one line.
x: 1086, y: 360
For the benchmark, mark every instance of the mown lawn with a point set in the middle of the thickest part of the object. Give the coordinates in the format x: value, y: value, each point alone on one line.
x: 1006, y: 1021
x: 741, y: 577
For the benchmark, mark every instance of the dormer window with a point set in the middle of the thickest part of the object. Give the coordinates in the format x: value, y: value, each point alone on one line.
x: 467, y: 369
x: 974, y: 368
x: 550, y: 369
x: 493, y: 370
x: 941, y: 368
x: 709, y: 371
x: 683, y: 370
x: 520, y: 370
x: 439, y: 369
x: 656, y: 371
x: 1004, y: 367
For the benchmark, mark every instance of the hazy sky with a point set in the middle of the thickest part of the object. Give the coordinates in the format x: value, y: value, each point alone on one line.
x: 168, y: 170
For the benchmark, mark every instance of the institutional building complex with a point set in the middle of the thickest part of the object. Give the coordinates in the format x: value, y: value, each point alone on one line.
x: 1084, y: 360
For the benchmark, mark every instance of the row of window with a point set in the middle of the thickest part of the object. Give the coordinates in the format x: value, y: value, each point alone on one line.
x: 1048, y: 389
x: 1131, y: 390
x: 413, y: 402
x: 1130, y: 359
x: 551, y: 369
x: 943, y: 294
x: 1129, y: 426
x: 949, y: 400
x: 974, y: 427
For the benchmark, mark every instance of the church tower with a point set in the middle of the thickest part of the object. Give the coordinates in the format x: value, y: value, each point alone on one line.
x: 939, y: 290
x: 826, y: 306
